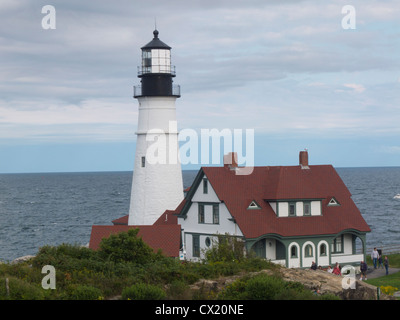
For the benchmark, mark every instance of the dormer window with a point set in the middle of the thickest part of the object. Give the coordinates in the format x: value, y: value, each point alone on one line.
x: 253, y: 205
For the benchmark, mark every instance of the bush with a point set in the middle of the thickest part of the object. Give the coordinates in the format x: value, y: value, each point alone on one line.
x: 20, y: 290
x: 67, y: 257
x: 82, y: 292
x: 178, y: 290
x: 389, y: 290
x: 228, y: 248
x: 126, y: 247
x: 259, y: 287
x: 235, y: 291
x: 143, y: 291
x: 264, y: 287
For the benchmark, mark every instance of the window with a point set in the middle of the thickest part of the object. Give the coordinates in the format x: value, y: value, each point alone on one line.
x: 307, y: 208
x: 292, y: 209
x: 333, y: 202
x: 208, y: 242
x: 293, y: 252
x: 337, y: 245
x: 253, y: 205
x: 205, y: 186
x: 322, y: 249
x: 201, y: 213
x: 143, y: 162
x: 196, y: 246
x: 146, y: 61
x: 215, y: 213
x: 308, y: 251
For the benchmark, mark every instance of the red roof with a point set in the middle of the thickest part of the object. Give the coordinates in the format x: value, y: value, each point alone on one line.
x: 164, y: 237
x: 121, y: 221
x: 320, y: 182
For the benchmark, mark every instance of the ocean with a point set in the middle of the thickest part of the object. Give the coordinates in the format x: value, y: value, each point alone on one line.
x: 40, y: 209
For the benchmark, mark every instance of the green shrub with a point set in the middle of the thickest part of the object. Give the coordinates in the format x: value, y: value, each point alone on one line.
x: 67, y: 257
x: 227, y: 248
x: 178, y: 290
x: 126, y: 247
x: 264, y: 287
x: 82, y: 292
x: 235, y: 291
x: 20, y: 290
x: 143, y: 291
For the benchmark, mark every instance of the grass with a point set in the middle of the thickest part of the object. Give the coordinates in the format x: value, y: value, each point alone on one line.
x: 394, y: 260
x: 391, y: 282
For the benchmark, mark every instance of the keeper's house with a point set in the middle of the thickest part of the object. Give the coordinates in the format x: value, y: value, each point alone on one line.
x: 291, y: 215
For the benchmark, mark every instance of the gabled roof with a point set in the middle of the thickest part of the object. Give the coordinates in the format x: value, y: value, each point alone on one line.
x: 164, y: 237
x: 269, y: 184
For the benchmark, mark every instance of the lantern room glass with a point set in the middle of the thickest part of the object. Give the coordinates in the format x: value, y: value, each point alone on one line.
x: 156, y: 61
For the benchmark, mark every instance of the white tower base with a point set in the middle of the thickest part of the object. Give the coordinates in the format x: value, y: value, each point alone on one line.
x: 157, y: 176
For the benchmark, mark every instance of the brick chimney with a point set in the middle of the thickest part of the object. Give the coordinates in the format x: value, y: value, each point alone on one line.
x: 230, y: 160
x: 303, y: 159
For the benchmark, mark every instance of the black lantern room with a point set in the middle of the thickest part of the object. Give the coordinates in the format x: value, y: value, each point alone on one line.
x: 156, y: 72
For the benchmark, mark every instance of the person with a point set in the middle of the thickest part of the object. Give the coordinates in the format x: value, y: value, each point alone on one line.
x: 386, y: 263
x: 336, y: 269
x: 380, y: 262
x: 363, y: 269
x: 313, y: 266
x: 374, y: 257
x: 316, y: 292
x: 330, y: 270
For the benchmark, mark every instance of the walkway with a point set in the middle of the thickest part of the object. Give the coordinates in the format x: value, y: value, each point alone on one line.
x: 376, y: 273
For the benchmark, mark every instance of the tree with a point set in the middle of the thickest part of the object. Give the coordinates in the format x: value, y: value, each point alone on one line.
x: 126, y: 247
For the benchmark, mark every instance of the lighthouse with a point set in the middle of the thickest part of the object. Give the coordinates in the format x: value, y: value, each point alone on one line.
x: 157, y: 175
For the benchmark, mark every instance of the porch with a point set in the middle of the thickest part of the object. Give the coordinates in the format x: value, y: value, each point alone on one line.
x: 302, y: 252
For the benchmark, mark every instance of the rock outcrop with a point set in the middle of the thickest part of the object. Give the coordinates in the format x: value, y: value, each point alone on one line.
x: 330, y: 283
x: 319, y: 280
x: 22, y: 259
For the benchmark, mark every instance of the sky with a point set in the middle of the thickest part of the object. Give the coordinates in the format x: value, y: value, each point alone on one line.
x: 301, y: 74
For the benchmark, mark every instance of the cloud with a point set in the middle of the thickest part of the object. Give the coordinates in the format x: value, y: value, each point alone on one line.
x: 55, y: 121
x: 359, y: 88
x: 253, y: 58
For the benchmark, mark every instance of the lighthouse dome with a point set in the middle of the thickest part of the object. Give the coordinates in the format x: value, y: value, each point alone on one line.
x: 156, y: 43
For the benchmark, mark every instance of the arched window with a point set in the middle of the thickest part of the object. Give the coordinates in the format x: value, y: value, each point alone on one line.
x: 322, y: 249
x: 308, y: 251
x: 293, y: 252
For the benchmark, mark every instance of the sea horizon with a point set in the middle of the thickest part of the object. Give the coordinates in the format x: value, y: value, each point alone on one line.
x: 116, y: 171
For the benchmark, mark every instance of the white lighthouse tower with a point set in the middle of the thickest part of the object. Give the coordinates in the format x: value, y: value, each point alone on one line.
x: 157, y: 175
